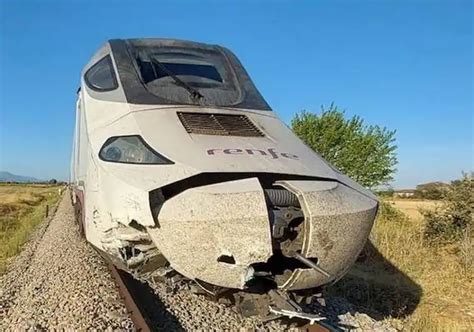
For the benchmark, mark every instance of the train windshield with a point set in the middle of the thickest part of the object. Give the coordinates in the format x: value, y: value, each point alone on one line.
x: 173, y: 72
x: 188, y: 77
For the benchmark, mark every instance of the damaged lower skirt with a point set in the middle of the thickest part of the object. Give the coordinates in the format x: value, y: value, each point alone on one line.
x: 132, y: 250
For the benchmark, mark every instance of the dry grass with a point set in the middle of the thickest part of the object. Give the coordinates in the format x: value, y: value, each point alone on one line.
x: 411, y: 207
x: 22, y: 207
x: 399, y: 277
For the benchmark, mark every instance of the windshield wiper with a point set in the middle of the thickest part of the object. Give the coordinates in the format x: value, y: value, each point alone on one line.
x: 195, y: 94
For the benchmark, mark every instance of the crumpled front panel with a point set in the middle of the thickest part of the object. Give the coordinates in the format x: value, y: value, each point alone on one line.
x: 201, y: 224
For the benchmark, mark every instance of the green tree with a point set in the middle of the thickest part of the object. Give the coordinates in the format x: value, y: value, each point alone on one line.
x: 366, y: 153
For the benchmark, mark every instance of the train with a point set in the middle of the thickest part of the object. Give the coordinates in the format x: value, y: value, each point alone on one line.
x: 180, y: 165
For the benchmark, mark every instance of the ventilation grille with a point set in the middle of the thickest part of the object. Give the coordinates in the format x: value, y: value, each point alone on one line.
x: 219, y: 124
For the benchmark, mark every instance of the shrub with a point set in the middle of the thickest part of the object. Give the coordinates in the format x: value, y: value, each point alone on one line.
x: 450, y: 221
x: 388, y: 212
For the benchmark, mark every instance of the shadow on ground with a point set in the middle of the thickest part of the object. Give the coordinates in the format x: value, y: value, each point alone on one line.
x: 374, y: 286
x: 152, y: 308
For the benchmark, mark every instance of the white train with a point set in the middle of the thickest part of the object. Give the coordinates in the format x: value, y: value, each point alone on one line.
x: 179, y: 163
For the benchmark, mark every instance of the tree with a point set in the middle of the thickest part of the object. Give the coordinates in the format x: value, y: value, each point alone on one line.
x: 366, y: 153
x: 432, y: 190
x: 385, y: 193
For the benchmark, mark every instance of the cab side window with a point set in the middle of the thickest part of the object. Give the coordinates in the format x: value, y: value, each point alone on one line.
x: 101, y: 76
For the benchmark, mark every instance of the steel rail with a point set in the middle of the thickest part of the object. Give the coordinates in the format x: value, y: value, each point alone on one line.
x: 136, y: 315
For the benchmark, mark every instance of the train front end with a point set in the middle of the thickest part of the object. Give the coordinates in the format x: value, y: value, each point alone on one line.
x: 180, y: 164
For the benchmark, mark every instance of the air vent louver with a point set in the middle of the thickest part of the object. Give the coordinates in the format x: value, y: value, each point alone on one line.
x: 219, y: 124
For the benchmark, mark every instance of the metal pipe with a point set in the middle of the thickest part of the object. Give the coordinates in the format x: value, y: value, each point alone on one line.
x: 311, y: 264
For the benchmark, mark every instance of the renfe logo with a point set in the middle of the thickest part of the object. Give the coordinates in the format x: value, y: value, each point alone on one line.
x: 271, y: 152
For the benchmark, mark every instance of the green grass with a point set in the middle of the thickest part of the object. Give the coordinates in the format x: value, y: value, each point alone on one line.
x: 22, y: 208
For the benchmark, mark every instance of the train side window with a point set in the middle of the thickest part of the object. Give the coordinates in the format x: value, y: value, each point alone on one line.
x: 101, y: 76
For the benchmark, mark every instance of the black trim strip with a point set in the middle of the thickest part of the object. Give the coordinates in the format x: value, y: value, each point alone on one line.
x: 203, y: 179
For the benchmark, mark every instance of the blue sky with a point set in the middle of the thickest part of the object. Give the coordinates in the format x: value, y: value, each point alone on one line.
x: 403, y: 65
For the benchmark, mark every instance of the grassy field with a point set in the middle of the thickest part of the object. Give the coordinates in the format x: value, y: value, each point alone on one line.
x: 22, y: 207
x: 401, y: 278
x: 411, y: 207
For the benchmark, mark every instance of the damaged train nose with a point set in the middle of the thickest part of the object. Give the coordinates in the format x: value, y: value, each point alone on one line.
x: 178, y: 160
x: 216, y: 232
x: 297, y: 234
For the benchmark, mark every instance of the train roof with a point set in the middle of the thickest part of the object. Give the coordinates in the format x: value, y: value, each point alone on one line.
x: 160, y: 71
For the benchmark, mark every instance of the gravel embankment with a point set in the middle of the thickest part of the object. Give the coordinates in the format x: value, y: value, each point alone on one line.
x: 187, y: 311
x: 60, y: 282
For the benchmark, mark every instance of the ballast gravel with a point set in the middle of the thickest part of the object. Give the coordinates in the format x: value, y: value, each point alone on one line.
x: 59, y: 282
x: 188, y: 311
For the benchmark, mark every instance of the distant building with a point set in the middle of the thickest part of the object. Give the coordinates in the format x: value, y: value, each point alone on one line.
x: 404, y: 193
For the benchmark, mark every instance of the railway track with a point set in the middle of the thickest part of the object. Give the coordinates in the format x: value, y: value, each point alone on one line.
x: 123, y: 283
x: 136, y: 300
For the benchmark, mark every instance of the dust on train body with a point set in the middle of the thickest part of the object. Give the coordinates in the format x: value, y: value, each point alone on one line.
x: 179, y: 162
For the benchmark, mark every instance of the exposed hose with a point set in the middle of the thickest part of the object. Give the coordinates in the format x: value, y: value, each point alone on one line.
x: 281, y: 197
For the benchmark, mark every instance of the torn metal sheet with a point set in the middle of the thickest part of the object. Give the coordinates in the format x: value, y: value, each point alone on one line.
x: 299, y: 314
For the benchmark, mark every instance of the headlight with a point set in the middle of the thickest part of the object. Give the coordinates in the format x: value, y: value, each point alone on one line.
x: 130, y: 150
